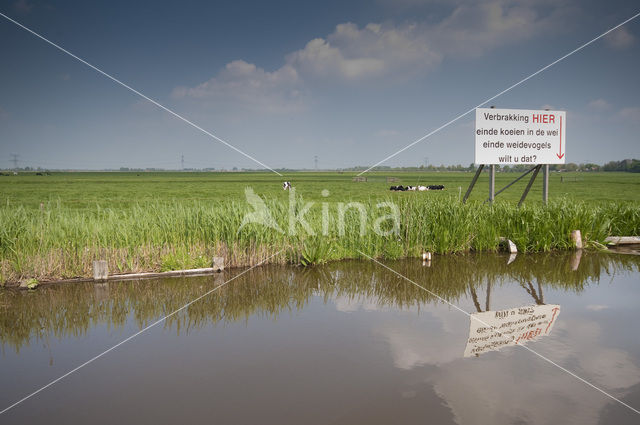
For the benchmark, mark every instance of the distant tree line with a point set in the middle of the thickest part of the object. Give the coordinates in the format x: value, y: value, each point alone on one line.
x: 628, y: 165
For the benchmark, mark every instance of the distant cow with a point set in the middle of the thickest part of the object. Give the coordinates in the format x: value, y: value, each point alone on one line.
x: 398, y: 188
x: 435, y: 187
x: 286, y: 185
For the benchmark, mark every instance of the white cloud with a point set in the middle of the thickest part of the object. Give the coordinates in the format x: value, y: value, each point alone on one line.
x: 376, y: 50
x: 597, y: 307
x: 620, y: 38
x: 380, y: 50
x: 23, y: 6
x: 351, y: 52
x: 599, y: 105
x: 244, y: 84
x: 631, y: 114
x: 474, y: 28
x: 386, y: 134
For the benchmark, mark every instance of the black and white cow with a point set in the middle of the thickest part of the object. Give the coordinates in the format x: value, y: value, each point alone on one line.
x: 286, y: 185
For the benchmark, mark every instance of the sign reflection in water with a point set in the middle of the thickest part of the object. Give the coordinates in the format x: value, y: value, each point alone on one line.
x: 492, y: 330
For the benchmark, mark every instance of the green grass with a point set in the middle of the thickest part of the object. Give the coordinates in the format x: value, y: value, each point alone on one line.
x: 123, y: 190
x: 55, y: 226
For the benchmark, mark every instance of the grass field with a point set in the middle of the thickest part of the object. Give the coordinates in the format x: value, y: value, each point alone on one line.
x: 54, y: 226
x: 123, y: 190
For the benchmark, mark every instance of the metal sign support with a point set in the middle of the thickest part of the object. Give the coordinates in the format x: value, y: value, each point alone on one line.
x: 492, y: 182
x: 526, y: 189
x: 473, y: 183
x: 493, y: 193
x: 545, y: 184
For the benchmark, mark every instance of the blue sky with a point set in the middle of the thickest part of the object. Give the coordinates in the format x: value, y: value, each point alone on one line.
x: 350, y: 82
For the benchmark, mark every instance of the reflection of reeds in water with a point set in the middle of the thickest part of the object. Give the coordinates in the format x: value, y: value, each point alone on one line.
x: 72, y: 309
x: 61, y: 242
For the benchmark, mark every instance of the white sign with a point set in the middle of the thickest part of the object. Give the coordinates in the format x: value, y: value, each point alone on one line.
x: 492, y: 330
x: 520, y: 136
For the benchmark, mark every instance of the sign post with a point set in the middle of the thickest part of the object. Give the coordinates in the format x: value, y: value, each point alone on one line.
x: 519, y: 136
x: 492, y: 182
x: 545, y: 184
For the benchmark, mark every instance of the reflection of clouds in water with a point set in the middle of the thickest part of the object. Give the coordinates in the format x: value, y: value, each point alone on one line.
x: 514, y: 388
x: 348, y: 304
x: 513, y: 385
x: 416, y: 346
x: 609, y: 367
x: 410, y: 340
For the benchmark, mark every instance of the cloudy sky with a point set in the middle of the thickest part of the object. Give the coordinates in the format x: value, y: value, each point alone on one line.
x: 284, y: 81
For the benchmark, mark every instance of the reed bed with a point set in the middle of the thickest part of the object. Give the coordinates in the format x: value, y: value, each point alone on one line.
x: 57, y: 241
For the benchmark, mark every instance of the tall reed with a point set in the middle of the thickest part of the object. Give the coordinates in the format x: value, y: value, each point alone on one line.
x: 62, y: 242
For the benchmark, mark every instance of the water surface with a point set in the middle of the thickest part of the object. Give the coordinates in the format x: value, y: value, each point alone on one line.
x: 345, y: 343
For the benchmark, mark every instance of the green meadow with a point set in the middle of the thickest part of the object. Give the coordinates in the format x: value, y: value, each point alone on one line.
x: 54, y: 226
x: 117, y: 190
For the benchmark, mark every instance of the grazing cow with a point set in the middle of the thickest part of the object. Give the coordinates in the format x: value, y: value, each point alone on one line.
x: 286, y: 185
x: 422, y: 188
x: 411, y: 188
x: 436, y: 187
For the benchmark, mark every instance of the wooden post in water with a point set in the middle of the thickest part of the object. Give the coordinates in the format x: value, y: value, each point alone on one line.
x: 218, y: 264
x: 576, y: 238
x: 100, y: 270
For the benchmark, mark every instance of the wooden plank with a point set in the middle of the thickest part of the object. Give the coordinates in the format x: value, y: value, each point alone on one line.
x: 206, y: 270
x: 623, y: 240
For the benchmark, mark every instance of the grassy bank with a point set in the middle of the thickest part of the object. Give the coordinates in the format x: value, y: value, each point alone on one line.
x: 60, y: 241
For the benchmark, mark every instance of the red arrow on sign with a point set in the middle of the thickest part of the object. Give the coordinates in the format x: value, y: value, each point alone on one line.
x: 560, y: 154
